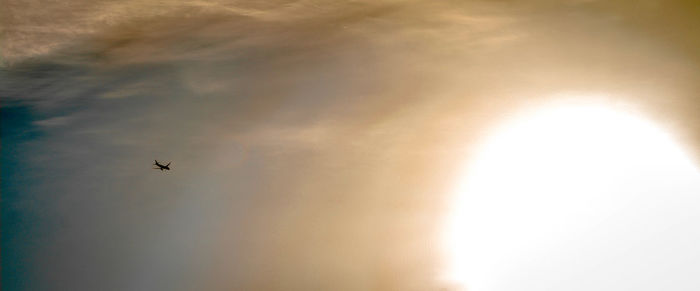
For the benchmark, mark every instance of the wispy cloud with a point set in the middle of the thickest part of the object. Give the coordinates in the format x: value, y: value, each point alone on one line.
x: 310, y: 140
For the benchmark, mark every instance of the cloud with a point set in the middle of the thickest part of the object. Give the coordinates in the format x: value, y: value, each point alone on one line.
x: 312, y: 141
x: 53, y: 121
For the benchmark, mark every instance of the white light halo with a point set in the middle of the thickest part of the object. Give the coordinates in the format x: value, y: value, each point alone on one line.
x: 512, y: 189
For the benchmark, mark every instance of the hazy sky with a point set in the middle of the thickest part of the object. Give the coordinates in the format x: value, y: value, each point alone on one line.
x: 314, y: 143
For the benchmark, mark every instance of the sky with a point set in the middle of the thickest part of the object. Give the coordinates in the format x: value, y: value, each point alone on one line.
x: 314, y: 144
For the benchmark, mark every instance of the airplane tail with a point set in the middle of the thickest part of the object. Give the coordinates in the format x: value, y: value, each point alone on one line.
x: 156, y: 162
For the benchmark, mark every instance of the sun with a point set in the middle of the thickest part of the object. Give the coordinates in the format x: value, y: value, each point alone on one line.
x: 549, y: 187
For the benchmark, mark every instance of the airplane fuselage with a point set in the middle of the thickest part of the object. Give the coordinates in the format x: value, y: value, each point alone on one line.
x: 161, y: 167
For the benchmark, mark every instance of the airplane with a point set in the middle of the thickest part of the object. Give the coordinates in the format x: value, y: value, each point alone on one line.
x: 161, y: 167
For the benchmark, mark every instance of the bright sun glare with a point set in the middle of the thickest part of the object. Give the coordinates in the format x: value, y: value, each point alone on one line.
x: 556, y: 191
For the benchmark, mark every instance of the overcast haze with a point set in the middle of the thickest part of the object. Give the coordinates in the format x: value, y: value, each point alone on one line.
x: 314, y: 144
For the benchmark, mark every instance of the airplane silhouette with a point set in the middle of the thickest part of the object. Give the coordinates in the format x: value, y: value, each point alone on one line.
x: 161, y: 167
